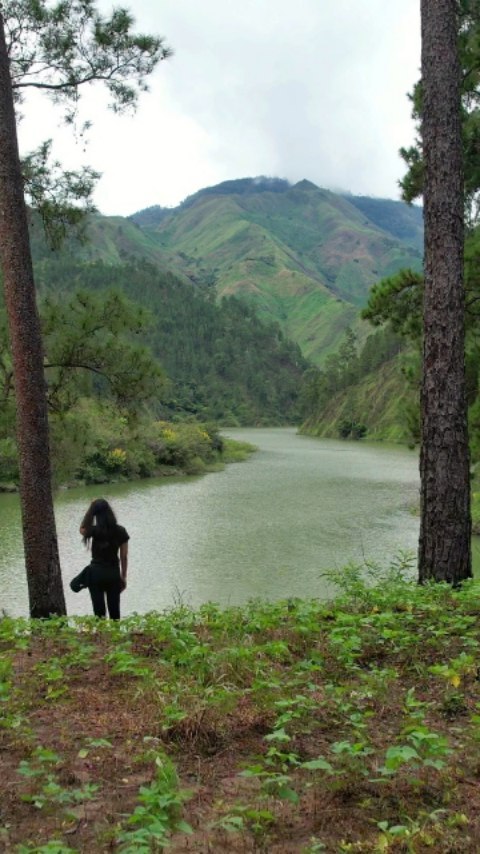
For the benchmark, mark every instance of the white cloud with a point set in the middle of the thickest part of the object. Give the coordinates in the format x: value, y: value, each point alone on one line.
x: 313, y: 89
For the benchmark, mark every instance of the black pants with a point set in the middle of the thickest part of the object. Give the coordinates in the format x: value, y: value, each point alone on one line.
x: 104, y: 584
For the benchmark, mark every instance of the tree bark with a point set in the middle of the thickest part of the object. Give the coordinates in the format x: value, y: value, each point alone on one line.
x: 39, y: 534
x: 445, y: 530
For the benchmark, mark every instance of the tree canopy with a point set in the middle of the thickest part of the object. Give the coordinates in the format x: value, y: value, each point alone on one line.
x: 61, y: 49
x: 412, y: 184
x: 64, y: 46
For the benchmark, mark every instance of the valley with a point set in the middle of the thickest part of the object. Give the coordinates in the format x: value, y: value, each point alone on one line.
x: 230, y: 308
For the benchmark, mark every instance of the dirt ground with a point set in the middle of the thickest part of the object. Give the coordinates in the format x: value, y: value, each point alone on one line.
x: 83, y: 734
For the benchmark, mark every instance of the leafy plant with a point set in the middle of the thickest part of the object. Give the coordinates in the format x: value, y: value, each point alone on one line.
x: 47, y: 792
x: 158, y: 813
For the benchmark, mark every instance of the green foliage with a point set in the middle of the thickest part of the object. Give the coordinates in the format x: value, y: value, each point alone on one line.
x: 158, y: 813
x: 349, y: 429
x: 307, y: 702
x: 397, y: 301
x: 69, y: 44
x: 340, y: 378
x: 468, y: 45
x: 46, y: 792
x: 89, y: 348
x: 89, y: 352
x: 8, y: 461
x: 234, y: 451
x: 224, y: 364
x: 54, y: 846
x: 62, y: 198
x: 101, y: 374
x: 397, y: 304
x: 60, y: 49
x: 117, y: 449
x: 95, y: 443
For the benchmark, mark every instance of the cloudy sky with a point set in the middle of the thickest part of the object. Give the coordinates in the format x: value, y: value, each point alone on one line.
x: 293, y: 88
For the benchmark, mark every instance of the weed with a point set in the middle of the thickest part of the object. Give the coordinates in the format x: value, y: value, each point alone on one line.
x: 256, y: 820
x: 53, y: 846
x: 338, y: 709
x: 47, y: 792
x: 158, y: 813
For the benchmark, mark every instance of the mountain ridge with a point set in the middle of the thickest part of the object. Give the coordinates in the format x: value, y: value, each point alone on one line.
x: 299, y: 254
x: 300, y: 257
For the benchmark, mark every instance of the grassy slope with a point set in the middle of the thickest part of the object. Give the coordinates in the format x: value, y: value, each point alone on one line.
x: 112, y: 240
x: 304, y: 257
x: 380, y: 401
x: 299, y: 726
x: 248, y: 261
x: 332, y: 239
x: 404, y: 222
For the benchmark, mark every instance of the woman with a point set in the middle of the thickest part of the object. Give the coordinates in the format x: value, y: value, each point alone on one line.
x: 107, y: 576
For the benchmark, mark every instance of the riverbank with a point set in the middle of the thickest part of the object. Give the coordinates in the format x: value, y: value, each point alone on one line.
x: 188, y: 449
x: 296, y: 726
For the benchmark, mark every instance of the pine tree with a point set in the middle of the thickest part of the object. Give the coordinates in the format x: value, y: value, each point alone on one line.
x: 57, y: 49
x: 444, y: 547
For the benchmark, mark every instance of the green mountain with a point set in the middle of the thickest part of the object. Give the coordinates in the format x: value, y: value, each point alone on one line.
x: 113, y: 240
x: 300, y: 255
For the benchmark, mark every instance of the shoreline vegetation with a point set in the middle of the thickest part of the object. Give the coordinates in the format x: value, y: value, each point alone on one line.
x: 164, y: 449
x: 350, y: 725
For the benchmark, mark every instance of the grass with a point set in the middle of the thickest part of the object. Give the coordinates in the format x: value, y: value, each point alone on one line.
x: 235, y: 451
x: 297, y: 726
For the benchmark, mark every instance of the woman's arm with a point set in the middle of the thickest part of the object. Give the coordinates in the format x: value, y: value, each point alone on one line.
x: 123, y: 564
x: 87, y: 522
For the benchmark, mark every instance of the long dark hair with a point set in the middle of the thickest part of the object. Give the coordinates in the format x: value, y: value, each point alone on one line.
x: 100, y: 515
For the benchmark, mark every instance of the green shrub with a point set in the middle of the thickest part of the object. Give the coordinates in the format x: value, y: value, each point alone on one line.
x: 351, y: 429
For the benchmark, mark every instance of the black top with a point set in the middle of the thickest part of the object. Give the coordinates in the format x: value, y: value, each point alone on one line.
x: 106, y: 550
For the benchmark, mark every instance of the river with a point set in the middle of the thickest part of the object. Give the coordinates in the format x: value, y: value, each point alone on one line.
x: 266, y: 527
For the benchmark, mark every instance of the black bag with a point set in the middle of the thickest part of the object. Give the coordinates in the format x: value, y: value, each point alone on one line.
x: 81, y: 580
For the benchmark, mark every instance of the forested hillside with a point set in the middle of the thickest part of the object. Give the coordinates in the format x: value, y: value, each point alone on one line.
x: 382, y: 395
x: 300, y: 255
x: 222, y: 362
x: 367, y: 391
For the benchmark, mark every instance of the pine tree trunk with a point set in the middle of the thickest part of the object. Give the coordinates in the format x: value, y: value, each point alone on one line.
x: 39, y: 535
x: 445, y: 531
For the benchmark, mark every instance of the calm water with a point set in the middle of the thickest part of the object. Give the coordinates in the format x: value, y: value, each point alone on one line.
x: 263, y: 528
